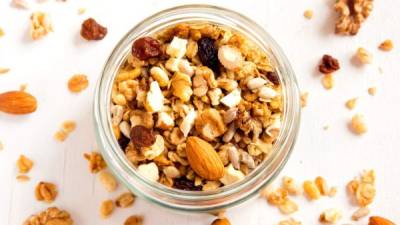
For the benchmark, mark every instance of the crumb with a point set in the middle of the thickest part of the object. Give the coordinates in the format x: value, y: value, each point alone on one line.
x: 60, y: 136
x: 67, y: 127
x: 372, y: 91
x: 24, y: 164
x: 1, y: 32
x: 106, y: 208
x: 364, y: 56
x: 303, y: 99
x: 308, y: 14
x: 21, y: 4
x: 4, y: 70
x: 23, y: 178
x: 78, y: 83
x: 380, y: 70
x: 330, y: 216
x: 326, y: 127
x: 96, y: 161
x: 81, y: 11
x: 351, y: 103
x: 1, y: 146
x: 387, y: 45
x: 358, y: 125
x: 289, y: 221
x: 360, y: 213
x: 23, y: 87
x: 328, y: 81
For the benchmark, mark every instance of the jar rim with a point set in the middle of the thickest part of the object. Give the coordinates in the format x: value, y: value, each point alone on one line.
x: 197, y: 201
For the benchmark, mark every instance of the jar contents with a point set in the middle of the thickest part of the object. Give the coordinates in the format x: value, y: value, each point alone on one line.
x: 196, y: 106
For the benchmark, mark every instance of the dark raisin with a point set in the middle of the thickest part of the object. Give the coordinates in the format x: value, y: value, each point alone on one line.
x: 91, y: 30
x: 328, y: 64
x: 208, y: 53
x: 184, y: 184
x: 273, y: 77
x: 123, y: 142
x: 132, y: 104
x: 142, y: 136
x: 146, y: 47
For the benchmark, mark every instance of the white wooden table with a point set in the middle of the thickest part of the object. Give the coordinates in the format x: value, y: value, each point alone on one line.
x: 336, y: 154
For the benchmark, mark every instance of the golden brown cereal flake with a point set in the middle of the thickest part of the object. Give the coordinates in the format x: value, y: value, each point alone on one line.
x: 51, y: 216
x: 358, y: 125
x: 78, y: 83
x: 360, y: 213
x: 24, y: 164
x: 303, y: 99
x: 372, y: 91
x: 4, y: 70
x: 40, y: 25
x: 125, y: 200
x: 308, y: 14
x: 327, y: 81
x: 290, y: 221
x: 108, y: 181
x: 96, y: 161
x: 106, y: 208
x: 311, y: 190
x: 330, y: 216
x: 22, y: 178
x: 351, y: 15
x: 387, y: 45
x: 46, y: 192
x: 134, y: 220
x: 351, y: 103
x: 364, y: 56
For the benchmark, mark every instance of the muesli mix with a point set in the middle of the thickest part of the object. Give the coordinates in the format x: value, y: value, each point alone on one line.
x: 196, y: 106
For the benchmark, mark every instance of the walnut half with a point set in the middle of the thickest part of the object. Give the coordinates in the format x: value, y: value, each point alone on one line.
x: 351, y: 14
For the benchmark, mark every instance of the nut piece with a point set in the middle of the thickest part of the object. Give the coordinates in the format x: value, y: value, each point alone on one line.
x: 288, y: 207
x: 96, y: 162
x: 308, y: 14
x: 232, y: 99
x: 181, y: 86
x: 46, y: 191
x: 387, y: 45
x: 357, y: 124
x: 277, y: 197
x: 322, y: 185
x: 188, y: 122
x: 203, y: 159
x: 78, y: 83
x: 372, y: 91
x: 17, y: 102
x: 290, y: 221
x: 4, y: 70
x: 106, y: 208
x: 154, y: 150
x: 134, y: 220
x: 230, y: 57
x: 377, y: 220
x: 108, y: 181
x: 328, y: 64
x: 154, y: 99
x: 311, y: 190
x: 142, y: 136
x: 303, y: 99
x: 328, y: 82
x: 351, y: 15
x: 177, y: 48
x: 209, y: 124
x: 360, y: 213
x: 289, y: 185
x: 223, y: 221
x: 150, y: 171
x: 231, y: 175
x: 160, y: 76
x: 364, y: 56
x: 52, y: 216
x: 351, y: 103
x: 165, y: 121
x: 330, y: 216
x: 256, y: 83
x: 40, y: 25
x: 125, y: 200
x: 24, y: 164
x: 92, y: 31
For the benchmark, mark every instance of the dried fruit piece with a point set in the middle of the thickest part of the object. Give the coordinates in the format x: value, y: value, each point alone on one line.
x: 125, y: 200
x: 328, y: 64
x: 142, y: 136
x: 387, y: 45
x: 377, y: 220
x: 24, y: 164
x: 134, y: 220
x: 52, y: 216
x: 273, y: 77
x: 222, y: 221
x: 145, y: 48
x: 288, y: 207
x: 46, y: 191
x: 17, y: 102
x: 203, y: 159
x: 40, y: 25
x: 208, y: 53
x: 106, y: 208
x: 92, y: 31
x: 78, y: 83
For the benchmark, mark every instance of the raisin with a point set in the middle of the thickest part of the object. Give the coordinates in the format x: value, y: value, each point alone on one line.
x: 123, y: 142
x: 142, y: 136
x: 145, y: 48
x: 208, y: 53
x: 184, y: 184
x: 91, y: 30
x: 328, y: 64
x: 273, y: 77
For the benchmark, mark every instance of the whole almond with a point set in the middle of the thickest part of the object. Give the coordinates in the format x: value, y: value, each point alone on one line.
x: 203, y: 159
x: 377, y: 220
x: 17, y: 102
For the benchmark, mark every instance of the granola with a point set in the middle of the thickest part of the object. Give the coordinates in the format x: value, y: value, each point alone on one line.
x: 198, y: 80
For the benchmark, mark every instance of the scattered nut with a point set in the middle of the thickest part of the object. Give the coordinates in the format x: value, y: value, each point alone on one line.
x: 24, y: 164
x: 377, y: 220
x: 277, y: 197
x: 106, y: 208
x: 96, y: 162
x: 40, y: 25
x: 358, y: 125
x: 288, y: 207
x: 351, y: 15
x: 327, y: 81
x: 108, y: 181
x: 372, y: 91
x: 78, y: 83
x: 290, y: 186
x: 386, y: 45
x: 92, y: 31
x: 308, y: 14
x: 51, y: 216
x: 351, y: 103
x: 46, y: 191
x: 134, y: 220
x: 311, y: 190
x: 331, y: 216
x: 4, y: 70
x: 360, y: 213
x: 290, y: 221
x: 125, y: 200
x: 221, y: 221
x: 364, y: 56
x: 303, y: 99
x: 17, y: 102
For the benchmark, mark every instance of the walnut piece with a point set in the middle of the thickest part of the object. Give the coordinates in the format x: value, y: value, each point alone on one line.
x: 209, y: 124
x: 125, y: 200
x: 51, y: 216
x: 78, y: 83
x: 40, y: 25
x: 134, y: 220
x: 386, y: 45
x: 46, y: 192
x: 108, y: 181
x: 352, y: 13
x: 24, y: 164
x: 106, y: 208
x: 96, y: 161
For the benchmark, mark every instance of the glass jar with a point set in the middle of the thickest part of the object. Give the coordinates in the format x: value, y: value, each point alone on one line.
x: 197, y: 201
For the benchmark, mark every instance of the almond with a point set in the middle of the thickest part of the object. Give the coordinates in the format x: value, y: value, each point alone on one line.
x: 17, y: 102
x: 203, y: 159
x: 377, y: 220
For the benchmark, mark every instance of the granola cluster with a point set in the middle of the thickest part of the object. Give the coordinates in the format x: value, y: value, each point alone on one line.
x: 197, y: 80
